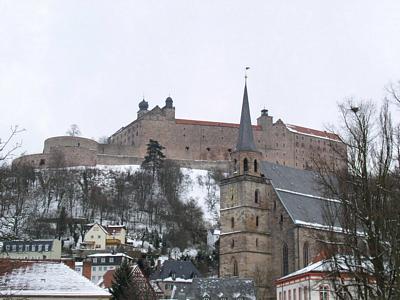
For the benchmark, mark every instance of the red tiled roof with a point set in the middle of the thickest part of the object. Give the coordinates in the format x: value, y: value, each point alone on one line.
x: 114, y: 228
x: 8, y: 265
x: 309, y: 131
x: 108, y: 278
x: 209, y: 123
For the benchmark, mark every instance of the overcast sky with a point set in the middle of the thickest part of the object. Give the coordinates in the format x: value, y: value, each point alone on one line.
x: 91, y: 62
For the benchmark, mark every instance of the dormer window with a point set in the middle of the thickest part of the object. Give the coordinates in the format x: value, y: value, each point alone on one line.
x: 173, y: 275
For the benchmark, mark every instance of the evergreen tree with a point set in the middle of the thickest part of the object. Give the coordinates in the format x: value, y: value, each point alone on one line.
x: 121, y: 287
x: 154, y: 158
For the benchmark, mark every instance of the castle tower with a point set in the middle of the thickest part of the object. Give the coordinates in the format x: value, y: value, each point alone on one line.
x: 245, y: 238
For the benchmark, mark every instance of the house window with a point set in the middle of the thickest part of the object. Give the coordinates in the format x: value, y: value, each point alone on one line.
x: 255, y: 166
x: 95, y: 260
x: 256, y: 196
x: 92, y: 236
x: 280, y: 295
x: 232, y: 222
x: 26, y: 248
x: 285, y: 260
x: 245, y: 165
x: 46, y: 247
x: 173, y: 276
x: 40, y: 248
x: 99, y: 237
x: 300, y: 294
x: 33, y: 248
x: 305, y: 253
x: 103, y: 259
x: 94, y: 269
x: 7, y: 247
x: 20, y: 248
x: 323, y: 292
x: 294, y: 294
x: 111, y: 259
x: 289, y: 295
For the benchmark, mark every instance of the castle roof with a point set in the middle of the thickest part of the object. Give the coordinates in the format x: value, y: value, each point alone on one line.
x: 300, y: 194
x: 246, y: 139
x: 312, y: 132
x: 210, y: 123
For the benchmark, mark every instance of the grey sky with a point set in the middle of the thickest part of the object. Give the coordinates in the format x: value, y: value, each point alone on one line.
x: 90, y: 62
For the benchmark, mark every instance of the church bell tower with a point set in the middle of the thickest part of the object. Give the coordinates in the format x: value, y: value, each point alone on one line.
x: 245, y: 238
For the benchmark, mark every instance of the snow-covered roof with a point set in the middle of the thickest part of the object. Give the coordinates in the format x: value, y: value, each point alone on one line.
x: 109, y: 254
x: 39, y: 278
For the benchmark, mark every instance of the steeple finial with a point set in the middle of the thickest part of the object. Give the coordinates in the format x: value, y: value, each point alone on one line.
x: 246, y: 139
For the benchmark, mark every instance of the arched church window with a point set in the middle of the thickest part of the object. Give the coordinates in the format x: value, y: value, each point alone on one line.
x: 305, y: 253
x: 245, y: 165
x: 256, y: 196
x: 285, y: 259
x: 235, y: 268
x: 255, y: 166
x: 232, y: 222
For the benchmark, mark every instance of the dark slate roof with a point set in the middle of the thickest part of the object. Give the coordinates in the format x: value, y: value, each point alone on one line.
x: 246, y: 140
x: 300, y: 194
x: 216, y: 288
x: 182, y: 269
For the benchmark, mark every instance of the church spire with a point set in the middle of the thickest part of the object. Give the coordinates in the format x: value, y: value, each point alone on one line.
x: 246, y: 139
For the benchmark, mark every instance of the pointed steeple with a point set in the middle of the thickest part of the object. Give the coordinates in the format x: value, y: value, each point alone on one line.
x: 246, y: 139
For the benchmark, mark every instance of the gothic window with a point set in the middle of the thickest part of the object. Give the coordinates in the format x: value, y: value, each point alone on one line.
x: 233, y: 222
x: 255, y: 166
x: 235, y: 268
x: 257, y: 221
x: 285, y: 260
x: 245, y: 165
x: 256, y: 196
x: 305, y: 254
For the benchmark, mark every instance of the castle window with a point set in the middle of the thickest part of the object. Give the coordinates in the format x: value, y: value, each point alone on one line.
x: 305, y: 254
x: 285, y: 260
x: 245, y: 165
x: 229, y: 150
x: 42, y: 162
x: 187, y: 148
x: 281, y: 220
x: 256, y: 242
x: 257, y: 221
x: 255, y: 166
x: 232, y: 243
x: 208, y: 148
x: 256, y: 196
x: 233, y: 222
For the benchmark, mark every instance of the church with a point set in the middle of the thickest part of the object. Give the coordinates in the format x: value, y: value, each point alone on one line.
x: 271, y: 215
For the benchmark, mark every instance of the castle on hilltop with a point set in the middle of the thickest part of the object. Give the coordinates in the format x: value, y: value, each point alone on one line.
x: 200, y: 144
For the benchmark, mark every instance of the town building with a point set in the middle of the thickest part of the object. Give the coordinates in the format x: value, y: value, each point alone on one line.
x: 102, y: 262
x: 316, y: 282
x: 216, y: 288
x: 270, y: 215
x: 30, y: 279
x: 34, y: 249
x: 108, y: 237
x: 172, y: 273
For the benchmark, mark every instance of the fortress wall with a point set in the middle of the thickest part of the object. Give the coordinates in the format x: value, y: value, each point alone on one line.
x: 31, y: 159
x: 77, y: 156
x: 104, y: 159
x: 114, y: 149
x: 68, y: 141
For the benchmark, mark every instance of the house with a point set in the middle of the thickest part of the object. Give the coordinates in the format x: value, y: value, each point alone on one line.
x: 173, y: 272
x: 102, y: 262
x: 29, y: 279
x: 141, y: 283
x: 35, y: 249
x: 314, y: 282
x: 100, y: 237
x: 216, y: 288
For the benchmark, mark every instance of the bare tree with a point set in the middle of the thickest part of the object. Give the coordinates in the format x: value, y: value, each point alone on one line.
x: 7, y: 147
x: 73, y: 130
x: 368, y: 216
